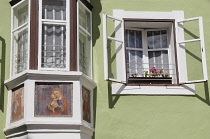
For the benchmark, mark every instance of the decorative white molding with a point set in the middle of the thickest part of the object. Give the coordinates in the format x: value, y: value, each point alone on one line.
x: 49, y: 76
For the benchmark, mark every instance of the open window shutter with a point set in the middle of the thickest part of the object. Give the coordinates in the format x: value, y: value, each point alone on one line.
x: 118, y: 40
x: 202, y: 45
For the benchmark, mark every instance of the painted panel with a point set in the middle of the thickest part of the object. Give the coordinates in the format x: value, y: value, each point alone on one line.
x: 86, y: 104
x: 17, y: 107
x: 53, y: 99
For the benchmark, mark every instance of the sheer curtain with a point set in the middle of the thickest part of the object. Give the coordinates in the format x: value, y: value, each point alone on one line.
x: 158, y: 50
x: 134, y: 53
x: 53, y: 34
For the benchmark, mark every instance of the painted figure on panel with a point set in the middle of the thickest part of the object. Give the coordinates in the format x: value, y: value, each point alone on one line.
x: 53, y: 99
x: 86, y: 104
x: 17, y: 109
x: 58, y: 104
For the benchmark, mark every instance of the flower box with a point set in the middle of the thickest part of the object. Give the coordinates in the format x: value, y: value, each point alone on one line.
x: 150, y: 80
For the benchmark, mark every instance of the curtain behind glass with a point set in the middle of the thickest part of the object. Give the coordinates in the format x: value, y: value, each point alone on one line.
x: 54, y: 9
x: 53, y: 46
x: 53, y: 36
x: 85, y: 57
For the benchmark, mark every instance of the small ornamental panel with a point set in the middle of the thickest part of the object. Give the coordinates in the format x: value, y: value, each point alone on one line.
x: 53, y: 99
x: 86, y: 104
x: 17, y: 104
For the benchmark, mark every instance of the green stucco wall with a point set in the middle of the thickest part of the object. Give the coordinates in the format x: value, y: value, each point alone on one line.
x: 132, y: 117
x: 150, y: 117
x: 4, y: 59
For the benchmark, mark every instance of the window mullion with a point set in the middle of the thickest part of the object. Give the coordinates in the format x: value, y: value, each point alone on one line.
x: 145, y: 51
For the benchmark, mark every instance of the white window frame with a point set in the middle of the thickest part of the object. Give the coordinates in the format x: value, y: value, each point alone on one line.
x: 202, y: 45
x: 119, y: 79
x: 181, y: 89
x: 84, y: 32
x: 22, y: 27
x: 55, y: 22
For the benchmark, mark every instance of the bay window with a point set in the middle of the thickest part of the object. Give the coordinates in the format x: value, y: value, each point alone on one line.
x: 51, y: 61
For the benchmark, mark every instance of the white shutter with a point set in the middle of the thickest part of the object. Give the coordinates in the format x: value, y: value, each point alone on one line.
x: 119, y: 47
x: 202, y: 45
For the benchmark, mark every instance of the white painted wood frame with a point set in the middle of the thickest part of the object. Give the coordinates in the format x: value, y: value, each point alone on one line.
x: 119, y: 42
x: 66, y: 23
x: 84, y: 32
x: 202, y: 45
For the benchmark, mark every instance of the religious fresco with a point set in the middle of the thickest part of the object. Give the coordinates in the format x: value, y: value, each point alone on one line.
x: 86, y: 105
x: 53, y: 99
x: 17, y: 104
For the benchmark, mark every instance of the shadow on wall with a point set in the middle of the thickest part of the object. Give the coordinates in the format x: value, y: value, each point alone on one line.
x: 206, y: 99
x: 97, y: 8
x: 2, y: 72
x: 96, y: 21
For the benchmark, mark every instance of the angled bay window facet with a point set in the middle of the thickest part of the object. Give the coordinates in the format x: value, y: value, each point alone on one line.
x: 85, y: 40
x: 20, y: 38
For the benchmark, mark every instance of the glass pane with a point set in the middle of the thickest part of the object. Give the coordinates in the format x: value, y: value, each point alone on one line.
x: 157, y: 39
x: 54, y: 9
x: 20, y: 45
x: 53, y: 46
x: 139, y: 58
x: 164, y: 39
x: 85, y: 54
x: 20, y: 16
x: 134, y: 61
x: 159, y: 60
x: 138, y: 39
x: 151, y: 60
x: 84, y: 18
x: 130, y: 39
x: 150, y: 39
x: 165, y: 61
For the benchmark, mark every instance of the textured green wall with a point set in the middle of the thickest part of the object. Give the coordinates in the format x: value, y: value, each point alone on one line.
x: 4, y: 59
x: 150, y: 117
x: 132, y: 117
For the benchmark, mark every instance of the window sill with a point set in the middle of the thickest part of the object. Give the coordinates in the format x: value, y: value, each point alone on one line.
x: 121, y: 89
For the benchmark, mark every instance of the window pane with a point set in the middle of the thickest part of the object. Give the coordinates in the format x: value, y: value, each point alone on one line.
x: 165, y: 61
x: 157, y: 39
x: 84, y: 18
x: 139, y: 57
x: 20, y: 46
x: 85, y: 54
x: 164, y: 39
x: 134, y: 62
x: 150, y: 39
x: 54, y: 9
x: 20, y: 16
x: 53, y: 46
x: 130, y: 39
x: 138, y: 39
x: 159, y: 59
